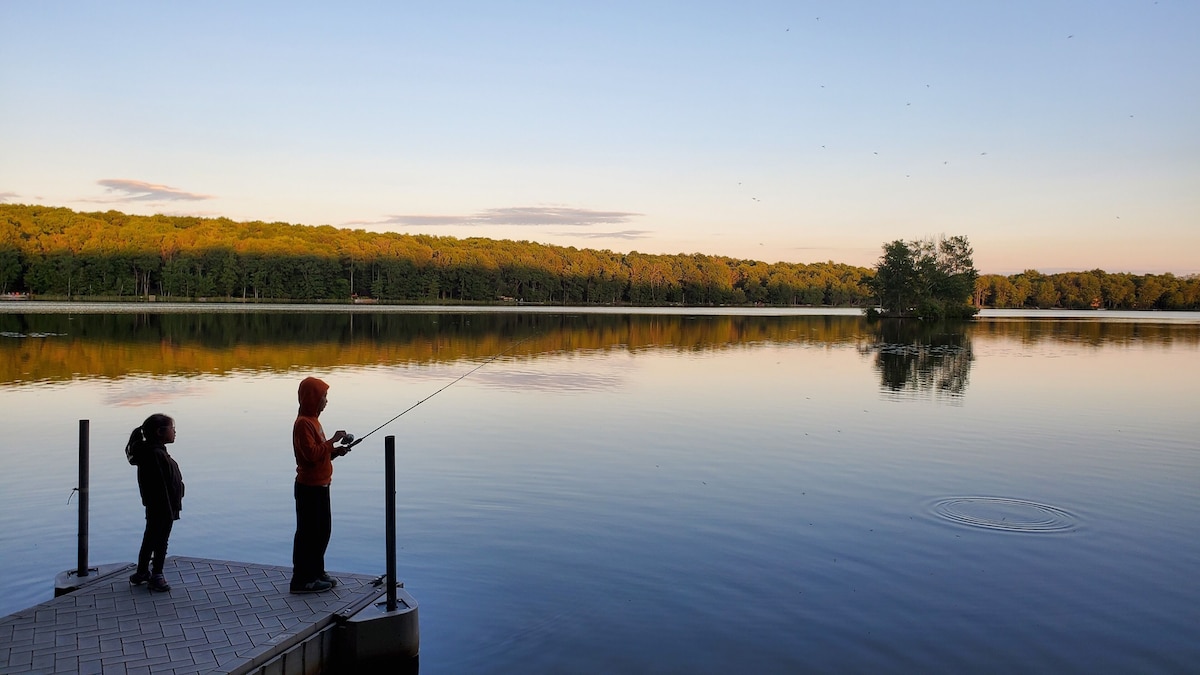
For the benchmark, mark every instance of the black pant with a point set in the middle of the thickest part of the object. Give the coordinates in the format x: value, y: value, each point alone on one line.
x: 154, y: 542
x: 313, y: 527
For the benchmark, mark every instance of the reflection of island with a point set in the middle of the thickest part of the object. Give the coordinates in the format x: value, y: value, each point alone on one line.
x: 914, y: 356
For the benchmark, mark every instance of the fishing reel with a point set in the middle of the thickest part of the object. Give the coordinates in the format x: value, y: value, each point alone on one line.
x: 343, y: 447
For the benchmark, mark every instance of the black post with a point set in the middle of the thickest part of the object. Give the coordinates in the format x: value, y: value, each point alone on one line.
x: 389, y: 467
x: 82, y: 571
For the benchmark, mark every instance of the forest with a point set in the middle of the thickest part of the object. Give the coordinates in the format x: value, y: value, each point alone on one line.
x: 59, y: 253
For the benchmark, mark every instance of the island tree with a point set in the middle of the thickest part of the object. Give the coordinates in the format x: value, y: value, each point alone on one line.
x: 926, y: 278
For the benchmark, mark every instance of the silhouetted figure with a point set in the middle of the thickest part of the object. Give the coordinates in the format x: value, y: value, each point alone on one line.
x: 161, y: 485
x: 314, y: 471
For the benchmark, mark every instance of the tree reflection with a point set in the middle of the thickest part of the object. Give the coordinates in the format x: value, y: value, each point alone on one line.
x: 58, y: 347
x: 921, y: 357
x: 912, y: 356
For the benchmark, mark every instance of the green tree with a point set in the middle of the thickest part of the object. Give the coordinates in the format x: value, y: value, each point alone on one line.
x: 10, y: 268
x: 1149, y: 291
x: 1045, y: 295
x: 1117, y: 290
x: 931, y: 279
x: 897, y: 279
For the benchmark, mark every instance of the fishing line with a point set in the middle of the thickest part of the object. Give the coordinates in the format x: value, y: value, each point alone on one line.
x: 355, y: 441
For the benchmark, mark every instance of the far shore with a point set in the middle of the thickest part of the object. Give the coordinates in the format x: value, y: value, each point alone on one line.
x: 112, y: 306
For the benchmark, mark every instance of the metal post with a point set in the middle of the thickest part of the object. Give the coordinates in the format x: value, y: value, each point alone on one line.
x: 389, y: 465
x: 82, y: 571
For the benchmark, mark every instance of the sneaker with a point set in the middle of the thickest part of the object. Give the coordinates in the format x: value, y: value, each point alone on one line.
x: 314, y: 586
x: 139, y: 578
x: 159, y: 583
x: 328, y: 579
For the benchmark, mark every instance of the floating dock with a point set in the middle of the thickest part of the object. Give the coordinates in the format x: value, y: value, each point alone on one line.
x: 218, y: 617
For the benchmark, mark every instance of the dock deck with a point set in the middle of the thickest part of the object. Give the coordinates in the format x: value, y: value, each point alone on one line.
x: 219, y: 617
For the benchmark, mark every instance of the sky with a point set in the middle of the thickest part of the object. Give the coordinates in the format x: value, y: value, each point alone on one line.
x: 1055, y: 135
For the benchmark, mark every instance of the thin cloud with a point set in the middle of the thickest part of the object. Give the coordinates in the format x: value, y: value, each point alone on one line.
x: 141, y: 191
x: 623, y: 234
x: 551, y: 215
x: 520, y: 216
x: 8, y: 196
x: 427, y: 221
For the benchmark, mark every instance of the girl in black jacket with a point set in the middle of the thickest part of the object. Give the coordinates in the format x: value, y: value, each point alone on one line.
x: 161, y: 485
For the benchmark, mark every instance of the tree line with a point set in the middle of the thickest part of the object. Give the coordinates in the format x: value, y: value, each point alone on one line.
x: 62, y: 253
x: 59, y: 252
x: 1095, y: 289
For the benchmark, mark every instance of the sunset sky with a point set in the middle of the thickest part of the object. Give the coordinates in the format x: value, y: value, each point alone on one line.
x: 1055, y: 135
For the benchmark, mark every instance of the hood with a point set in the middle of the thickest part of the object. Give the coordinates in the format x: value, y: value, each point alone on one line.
x: 141, y: 451
x: 310, y: 393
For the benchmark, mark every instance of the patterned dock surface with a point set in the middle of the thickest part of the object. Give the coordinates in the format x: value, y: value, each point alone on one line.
x: 219, y: 617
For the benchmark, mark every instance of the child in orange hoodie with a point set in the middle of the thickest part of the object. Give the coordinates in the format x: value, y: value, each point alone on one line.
x: 314, y: 471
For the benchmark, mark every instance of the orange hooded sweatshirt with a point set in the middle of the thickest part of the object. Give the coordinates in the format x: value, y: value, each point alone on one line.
x: 314, y: 459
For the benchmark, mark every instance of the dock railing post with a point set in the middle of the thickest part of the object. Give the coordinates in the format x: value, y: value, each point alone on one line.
x: 82, y: 570
x: 389, y: 461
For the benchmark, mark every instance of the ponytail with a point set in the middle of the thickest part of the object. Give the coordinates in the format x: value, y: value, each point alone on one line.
x: 146, y: 435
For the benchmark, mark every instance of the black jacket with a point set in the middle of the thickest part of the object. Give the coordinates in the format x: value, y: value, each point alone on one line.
x: 159, y: 480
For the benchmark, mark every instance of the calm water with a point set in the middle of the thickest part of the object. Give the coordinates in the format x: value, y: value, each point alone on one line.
x: 688, y: 492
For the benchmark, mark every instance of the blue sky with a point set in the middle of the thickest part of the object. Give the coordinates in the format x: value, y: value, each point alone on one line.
x: 1055, y: 135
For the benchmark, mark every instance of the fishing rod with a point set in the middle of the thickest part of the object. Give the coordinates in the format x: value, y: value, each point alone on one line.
x: 350, y: 441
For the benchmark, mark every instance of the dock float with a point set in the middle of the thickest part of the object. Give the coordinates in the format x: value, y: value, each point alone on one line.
x: 219, y: 617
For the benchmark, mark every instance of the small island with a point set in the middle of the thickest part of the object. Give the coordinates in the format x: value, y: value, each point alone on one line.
x: 926, y: 279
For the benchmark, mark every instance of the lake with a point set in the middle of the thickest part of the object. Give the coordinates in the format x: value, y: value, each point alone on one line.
x: 658, y: 491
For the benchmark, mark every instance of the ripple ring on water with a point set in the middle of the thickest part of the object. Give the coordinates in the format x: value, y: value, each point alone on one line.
x: 1005, y: 514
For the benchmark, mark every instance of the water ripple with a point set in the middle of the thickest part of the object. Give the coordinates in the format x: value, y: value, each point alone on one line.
x: 1004, y: 514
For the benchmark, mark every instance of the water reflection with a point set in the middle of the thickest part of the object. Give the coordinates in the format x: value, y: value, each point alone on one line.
x: 911, y: 357
x: 917, y: 357
x: 56, y: 347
